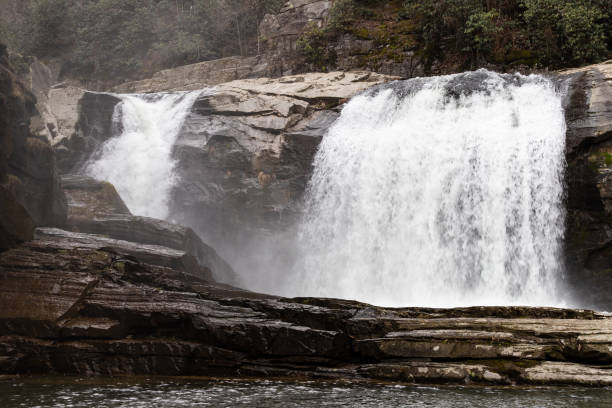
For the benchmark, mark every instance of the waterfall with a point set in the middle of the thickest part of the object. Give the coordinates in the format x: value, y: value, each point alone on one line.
x: 138, y: 162
x: 442, y: 191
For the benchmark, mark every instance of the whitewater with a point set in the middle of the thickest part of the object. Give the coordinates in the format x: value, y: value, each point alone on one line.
x: 444, y: 191
x: 138, y: 161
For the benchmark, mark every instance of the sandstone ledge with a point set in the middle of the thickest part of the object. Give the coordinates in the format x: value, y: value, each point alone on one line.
x: 88, y: 305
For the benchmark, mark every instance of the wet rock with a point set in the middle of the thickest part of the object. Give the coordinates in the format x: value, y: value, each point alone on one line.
x: 93, y: 126
x: 16, y: 225
x: 564, y: 373
x: 89, y: 198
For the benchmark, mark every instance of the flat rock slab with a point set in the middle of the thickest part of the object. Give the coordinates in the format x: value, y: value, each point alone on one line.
x: 312, y: 86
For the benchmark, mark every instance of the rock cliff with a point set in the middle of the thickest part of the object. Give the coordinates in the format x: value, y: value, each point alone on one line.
x: 29, y: 187
x: 380, y: 41
x: 589, y: 181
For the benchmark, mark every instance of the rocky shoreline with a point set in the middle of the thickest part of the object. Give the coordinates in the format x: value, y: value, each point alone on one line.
x: 82, y: 304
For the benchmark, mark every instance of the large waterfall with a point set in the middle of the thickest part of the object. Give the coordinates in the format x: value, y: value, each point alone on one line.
x: 444, y: 191
x: 138, y: 161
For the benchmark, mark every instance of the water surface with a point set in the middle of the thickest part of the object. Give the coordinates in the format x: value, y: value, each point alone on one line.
x: 156, y: 392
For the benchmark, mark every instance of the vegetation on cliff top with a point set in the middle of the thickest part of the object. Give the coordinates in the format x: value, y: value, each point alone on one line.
x: 469, y: 33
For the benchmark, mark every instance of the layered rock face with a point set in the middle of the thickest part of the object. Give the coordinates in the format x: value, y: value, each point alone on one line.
x: 244, y: 153
x: 82, y: 304
x: 589, y: 182
x: 29, y: 188
x: 282, y: 30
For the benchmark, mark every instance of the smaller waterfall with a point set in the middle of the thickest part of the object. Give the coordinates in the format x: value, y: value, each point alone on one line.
x: 138, y: 162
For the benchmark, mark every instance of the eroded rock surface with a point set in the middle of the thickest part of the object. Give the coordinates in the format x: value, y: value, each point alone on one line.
x: 83, y: 304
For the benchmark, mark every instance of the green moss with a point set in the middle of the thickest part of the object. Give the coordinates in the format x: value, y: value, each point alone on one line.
x: 526, y: 363
x: 362, y: 33
x: 120, y: 266
x: 598, y: 159
x: 518, y: 57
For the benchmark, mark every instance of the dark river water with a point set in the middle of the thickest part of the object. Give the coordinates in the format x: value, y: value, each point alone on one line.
x: 142, y: 392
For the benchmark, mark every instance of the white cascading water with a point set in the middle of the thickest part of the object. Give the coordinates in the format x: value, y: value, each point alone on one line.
x: 138, y: 162
x: 424, y: 194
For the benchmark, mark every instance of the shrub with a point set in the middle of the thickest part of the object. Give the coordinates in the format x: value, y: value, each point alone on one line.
x: 480, y: 28
x: 341, y: 13
x: 313, y: 45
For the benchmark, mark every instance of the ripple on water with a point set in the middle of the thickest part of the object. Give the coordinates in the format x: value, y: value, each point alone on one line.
x: 147, y: 392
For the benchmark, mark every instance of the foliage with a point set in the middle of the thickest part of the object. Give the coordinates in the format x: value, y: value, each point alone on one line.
x: 341, y: 13
x: 106, y: 39
x: 52, y: 25
x: 560, y: 32
x: 112, y: 36
x: 567, y: 31
x: 479, y: 31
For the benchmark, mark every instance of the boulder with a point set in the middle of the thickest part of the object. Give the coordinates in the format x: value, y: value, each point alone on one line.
x: 89, y: 199
x: 16, y: 225
x: 84, y: 132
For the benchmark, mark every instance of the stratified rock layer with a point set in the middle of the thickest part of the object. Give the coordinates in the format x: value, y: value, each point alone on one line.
x: 83, y: 304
